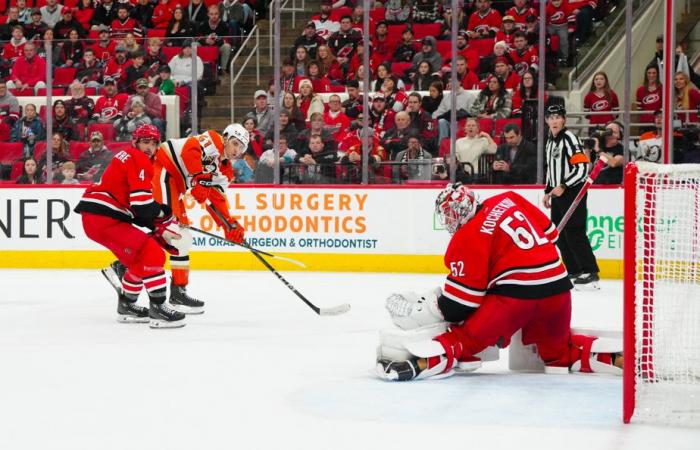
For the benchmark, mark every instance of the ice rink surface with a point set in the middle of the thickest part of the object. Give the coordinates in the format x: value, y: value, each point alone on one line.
x: 259, y: 370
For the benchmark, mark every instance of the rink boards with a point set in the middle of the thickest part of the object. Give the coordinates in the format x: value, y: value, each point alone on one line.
x: 329, y: 228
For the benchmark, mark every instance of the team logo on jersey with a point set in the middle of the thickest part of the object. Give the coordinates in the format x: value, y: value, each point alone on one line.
x: 557, y: 16
x: 482, y: 28
x: 651, y: 98
x: 600, y: 105
x: 521, y: 68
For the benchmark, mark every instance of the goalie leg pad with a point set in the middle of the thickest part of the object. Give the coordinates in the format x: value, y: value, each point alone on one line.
x: 393, y: 342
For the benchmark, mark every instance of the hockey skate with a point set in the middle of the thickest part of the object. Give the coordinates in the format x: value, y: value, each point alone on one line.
x: 162, y: 316
x: 114, y: 274
x: 182, y: 302
x: 129, y: 312
x: 587, y: 282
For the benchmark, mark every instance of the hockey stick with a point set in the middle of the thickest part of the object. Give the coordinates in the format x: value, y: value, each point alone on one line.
x: 332, y: 311
x: 248, y: 247
x: 602, y: 161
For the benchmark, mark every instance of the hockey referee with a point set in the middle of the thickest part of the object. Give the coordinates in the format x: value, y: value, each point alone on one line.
x: 567, y: 168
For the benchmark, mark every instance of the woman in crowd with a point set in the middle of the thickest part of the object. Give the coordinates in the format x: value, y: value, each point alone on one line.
x: 687, y: 97
x: 28, y: 130
x: 319, y: 82
x: 395, y: 99
x: 649, y: 96
x: 384, y: 72
x: 328, y: 65
x: 527, y: 91
x: 289, y: 102
x: 131, y: 44
x: 255, y: 145
x: 424, y: 77
x: 181, y: 66
x: 30, y: 175
x: 601, y: 98
x: 431, y: 101
x: 178, y: 28
x: 308, y: 101
x: 493, y: 102
x: 46, y: 42
x: 301, y: 59
x: 59, y: 155
x: 72, y: 50
x: 83, y: 14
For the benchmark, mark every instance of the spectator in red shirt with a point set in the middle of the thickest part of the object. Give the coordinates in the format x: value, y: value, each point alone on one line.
x: 320, y: 83
x: 110, y: 105
x: 649, y: 96
x: 381, y: 46
x: 335, y: 120
x: 519, y: 13
x: 104, y: 46
x: 524, y: 57
x: 161, y: 15
x: 116, y: 67
x: 83, y: 14
x: 28, y: 71
x: 507, y: 32
x: 381, y: 118
x: 560, y: 18
x: 328, y: 65
x: 124, y: 24
x: 687, y: 97
x: 600, y: 98
x: 484, y: 22
x: 503, y: 71
x: 463, y: 49
x: 466, y: 77
x: 526, y: 91
x: 15, y: 47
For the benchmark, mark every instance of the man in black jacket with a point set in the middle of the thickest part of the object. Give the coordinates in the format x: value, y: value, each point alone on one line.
x: 516, y: 160
x: 215, y: 32
x: 309, y: 40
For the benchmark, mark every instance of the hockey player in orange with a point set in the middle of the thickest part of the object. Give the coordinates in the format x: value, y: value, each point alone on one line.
x: 201, y: 165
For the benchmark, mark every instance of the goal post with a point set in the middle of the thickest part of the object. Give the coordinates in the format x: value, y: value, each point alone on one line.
x: 661, y: 381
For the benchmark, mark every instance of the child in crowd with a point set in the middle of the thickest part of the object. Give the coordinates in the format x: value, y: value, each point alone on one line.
x: 68, y: 172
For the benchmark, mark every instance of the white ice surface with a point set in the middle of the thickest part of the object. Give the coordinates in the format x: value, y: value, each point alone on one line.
x: 259, y: 370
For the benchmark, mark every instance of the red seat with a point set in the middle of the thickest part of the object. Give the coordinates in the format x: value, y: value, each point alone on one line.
x: 3, y: 19
x: 444, y: 150
x: 64, y: 76
x: 107, y: 130
x: 29, y: 92
x: 445, y: 50
x: 170, y: 52
x: 377, y: 14
x: 17, y: 169
x: 39, y: 150
x: 501, y: 124
x: 486, y: 125
x: 93, y: 35
x: 483, y: 47
x: 184, y: 93
x: 421, y: 30
x: 54, y: 91
x: 336, y: 14
x: 394, y: 33
x: 208, y: 53
x: 10, y: 152
x: 399, y: 68
x: 75, y: 148
x: 156, y: 32
x: 90, y: 91
x: 116, y: 147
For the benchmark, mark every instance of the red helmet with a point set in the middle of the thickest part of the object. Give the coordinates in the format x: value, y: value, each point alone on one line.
x: 455, y: 205
x: 146, y: 132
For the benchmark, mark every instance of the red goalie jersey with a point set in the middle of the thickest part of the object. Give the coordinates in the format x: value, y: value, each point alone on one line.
x: 507, y: 248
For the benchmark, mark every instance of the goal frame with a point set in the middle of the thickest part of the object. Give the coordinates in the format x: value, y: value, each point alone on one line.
x: 629, y: 294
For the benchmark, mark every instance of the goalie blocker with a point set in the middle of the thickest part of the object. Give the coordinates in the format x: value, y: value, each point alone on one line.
x: 505, y: 276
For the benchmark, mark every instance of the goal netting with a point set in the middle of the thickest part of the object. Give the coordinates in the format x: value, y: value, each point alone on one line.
x: 662, y: 293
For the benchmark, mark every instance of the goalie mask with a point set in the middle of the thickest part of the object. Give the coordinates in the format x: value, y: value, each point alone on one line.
x: 212, y: 146
x: 455, y: 205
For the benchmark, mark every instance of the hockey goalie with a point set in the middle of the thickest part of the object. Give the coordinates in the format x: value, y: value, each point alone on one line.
x: 505, y: 275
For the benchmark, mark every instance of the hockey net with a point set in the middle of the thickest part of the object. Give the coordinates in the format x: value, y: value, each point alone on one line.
x: 662, y: 294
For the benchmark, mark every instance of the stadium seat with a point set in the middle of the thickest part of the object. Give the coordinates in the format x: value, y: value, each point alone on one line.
x: 29, y: 92
x: 39, y: 150
x: 107, y: 130
x: 482, y: 47
x: 486, y: 125
x: 399, y: 68
x: 421, y: 30
x: 445, y: 50
x: 17, y: 169
x: 336, y: 14
x: 501, y: 124
x: 115, y: 146
x: 394, y: 33
x: 444, y: 150
x: 63, y: 76
x: 90, y: 91
x: 75, y: 148
x: 209, y: 54
x: 10, y: 152
x: 377, y: 14
x: 156, y: 32
x: 54, y: 91
x: 170, y: 52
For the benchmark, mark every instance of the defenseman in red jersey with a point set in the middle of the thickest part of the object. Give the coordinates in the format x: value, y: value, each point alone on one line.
x: 505, y: 275
x: 110, y: 210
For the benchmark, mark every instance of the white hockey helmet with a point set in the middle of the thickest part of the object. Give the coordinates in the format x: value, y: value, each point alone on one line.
x: 455, y: 206
x: 236, y: 130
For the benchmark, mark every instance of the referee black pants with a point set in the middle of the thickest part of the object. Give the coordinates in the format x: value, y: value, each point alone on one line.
x: 573, y: 242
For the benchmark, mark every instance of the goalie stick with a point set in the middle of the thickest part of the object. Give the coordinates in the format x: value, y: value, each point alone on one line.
x: 332, y: 311
x: 248, y: 247
x: 602, y: 160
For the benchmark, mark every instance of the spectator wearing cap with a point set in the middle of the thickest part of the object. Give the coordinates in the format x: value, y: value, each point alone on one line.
x: 110, y: 105
x: 35, y: 28
x: 213, y: 31
x: 79, y: 107
x: 12, y: 21
x: 344, y: 42
x: 179, y: 28
x: 51, y: 13
x: 484, y: 22
x: 308, y: 101
x: 143, y: 13
x: 134, y: 117
x: 325, y: 25
x: 502, y: 70
x: 397, y: 11
x: 261, y: 111
x: 425, y: 11
x: 163, y: 82
x: 105, y: 13
x: 83, y: 13
x: 152, y: 104
x: 381, y: 118
x: 287, y: 128
x: 72, y: 50
x: 135, y: 71
x: 519, y: 12
x: 28, y: 71
x: 93, y: 161
x: 181, y: 65
x: 15, y: 47
x: 507, y: 32
x: 407, y: 49
x: 428, y: 53
x: 104, y: 47
x: 62, y: 122
x: 352, y: 106
x: 309, y: 40
x: 123, y: 24
x: 560, y: 19
x: 62, y: 28
x: 471, y: 56
x: 516, y: 158
x: 493, y: 102
x: 422, y: 122
x: 28, y: 130
x: 289, y: 80
x: 566, y: 172
x: 116, y: 67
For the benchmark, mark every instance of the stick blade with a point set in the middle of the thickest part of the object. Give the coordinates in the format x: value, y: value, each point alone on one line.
x: 335, y: 310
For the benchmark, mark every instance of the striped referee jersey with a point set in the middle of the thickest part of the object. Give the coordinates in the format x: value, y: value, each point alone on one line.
x: 567, y: 163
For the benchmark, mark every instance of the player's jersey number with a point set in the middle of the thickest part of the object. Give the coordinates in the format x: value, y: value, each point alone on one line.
x: 524, y: 236
x: 457, y: 268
